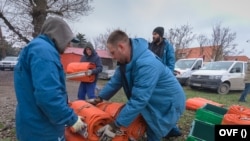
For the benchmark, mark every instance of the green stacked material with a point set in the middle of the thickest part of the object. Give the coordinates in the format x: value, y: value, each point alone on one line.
x: 211, y: 113
x: 201, y: 131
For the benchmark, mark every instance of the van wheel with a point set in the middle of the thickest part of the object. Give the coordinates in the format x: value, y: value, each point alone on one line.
x: 223, y: 88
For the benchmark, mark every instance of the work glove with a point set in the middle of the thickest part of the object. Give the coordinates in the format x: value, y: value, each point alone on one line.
x: 108, y: 132
x: 89, y: 72
x: 79, y: 125
x: 94, y: 101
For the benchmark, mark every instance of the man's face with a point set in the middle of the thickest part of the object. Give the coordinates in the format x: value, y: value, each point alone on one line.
x: 156, y: 37
x: 88, y: 51
x: 118, y: 53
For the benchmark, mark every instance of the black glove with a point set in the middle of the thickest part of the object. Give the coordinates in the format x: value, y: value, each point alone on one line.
x: 94, y: 101
x: 108, y: 132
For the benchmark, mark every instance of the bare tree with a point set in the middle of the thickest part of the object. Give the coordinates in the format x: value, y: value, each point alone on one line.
x: 180, y: 37
x: 202, y: 40
x: 24, y: 18
x: 100, y: 42
x: 222, y: 42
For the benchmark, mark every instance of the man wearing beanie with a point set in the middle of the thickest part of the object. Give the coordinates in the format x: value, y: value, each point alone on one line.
x: 165, y: 51
x: 162, y: 48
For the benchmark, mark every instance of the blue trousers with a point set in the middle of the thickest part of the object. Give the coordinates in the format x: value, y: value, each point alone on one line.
x: 245, y: 92
x: 86, y: 88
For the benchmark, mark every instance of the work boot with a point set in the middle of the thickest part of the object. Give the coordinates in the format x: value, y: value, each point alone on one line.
x: 175, y: 132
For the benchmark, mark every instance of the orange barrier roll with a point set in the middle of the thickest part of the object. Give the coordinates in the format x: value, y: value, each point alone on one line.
x: 76, y: 71
x: 198, y: 102
x: 135, y: 130
x: 94, y: 117
x: 112, y: 108
x: 70, y: 136
x: 235, y: 119
x: 239, y: 110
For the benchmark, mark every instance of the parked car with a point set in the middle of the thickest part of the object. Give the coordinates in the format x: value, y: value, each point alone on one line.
x: 185, y: 67
x: 221, y: 76
x: 8, y: 62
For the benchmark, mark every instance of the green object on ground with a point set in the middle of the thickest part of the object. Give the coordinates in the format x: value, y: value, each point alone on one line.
x: 211, y: 113
x: 201, y: 131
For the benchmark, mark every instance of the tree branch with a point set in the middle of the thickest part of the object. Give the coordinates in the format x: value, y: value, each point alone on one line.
x: 13, y: 28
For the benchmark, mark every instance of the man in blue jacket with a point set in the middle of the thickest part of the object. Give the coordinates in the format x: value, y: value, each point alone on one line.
x: 42, y: 111
x: 162, y: 48
x: 151, y: 88
x: 90, y: 55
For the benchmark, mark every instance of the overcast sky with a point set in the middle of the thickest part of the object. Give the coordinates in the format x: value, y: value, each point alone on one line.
x: 140, y: 17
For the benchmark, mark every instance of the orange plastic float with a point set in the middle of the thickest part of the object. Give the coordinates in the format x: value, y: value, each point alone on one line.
x: 198, y: 102
x: 235, y: 119
x: 239, y: 110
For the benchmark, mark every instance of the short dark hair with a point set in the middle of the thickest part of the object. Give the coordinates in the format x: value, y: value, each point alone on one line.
x: 116, y: 36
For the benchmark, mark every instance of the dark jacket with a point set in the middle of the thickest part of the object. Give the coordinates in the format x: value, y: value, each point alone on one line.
x: 152, y: 90
x: 167, y: 54
x: 94, y: 58
x: 247, y: 74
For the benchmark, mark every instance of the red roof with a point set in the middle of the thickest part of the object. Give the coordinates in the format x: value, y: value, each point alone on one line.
x: 79, y: 51
x: 239, y: 58
x: 206, y: 53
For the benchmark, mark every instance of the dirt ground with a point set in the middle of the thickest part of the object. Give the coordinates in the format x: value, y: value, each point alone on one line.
x: 8, y: 103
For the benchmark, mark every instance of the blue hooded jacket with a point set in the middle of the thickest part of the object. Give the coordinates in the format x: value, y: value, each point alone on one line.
x: 94, y: 58
x: 168, y: 54
x: 42, y: 111
x: 153, y: 91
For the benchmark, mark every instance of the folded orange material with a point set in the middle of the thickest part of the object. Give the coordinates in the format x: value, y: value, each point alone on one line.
x: 77, y: 71
x: 94, y: 117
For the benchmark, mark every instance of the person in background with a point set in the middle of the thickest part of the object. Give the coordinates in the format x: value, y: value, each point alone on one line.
x: 162, y: 48
x: 151, y: 89
x: 165, y: 51
x: 247, y: 84
x: 90, y: 55
x: 42, y: 111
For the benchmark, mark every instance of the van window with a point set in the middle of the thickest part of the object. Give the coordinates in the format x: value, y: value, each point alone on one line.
x: 198, y: 65
x: 217, y: 66
x: 237, y: 68
x: 184, y: 64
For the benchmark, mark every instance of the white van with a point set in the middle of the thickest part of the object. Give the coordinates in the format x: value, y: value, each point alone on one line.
x: 185, y: 67
x: 221, y: 76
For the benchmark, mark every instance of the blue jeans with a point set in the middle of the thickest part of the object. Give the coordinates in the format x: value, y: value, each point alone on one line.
x: 245, y: 92
x: 86, y: 88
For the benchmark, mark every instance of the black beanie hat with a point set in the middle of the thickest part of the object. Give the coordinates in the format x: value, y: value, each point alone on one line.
x: 159, y: 30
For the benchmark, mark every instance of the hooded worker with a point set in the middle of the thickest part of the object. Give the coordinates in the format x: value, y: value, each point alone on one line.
x: 90, y: 55
x: 42, y: 111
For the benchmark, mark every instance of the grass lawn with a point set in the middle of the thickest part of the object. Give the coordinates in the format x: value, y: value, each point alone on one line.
x: 188, y: 117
